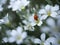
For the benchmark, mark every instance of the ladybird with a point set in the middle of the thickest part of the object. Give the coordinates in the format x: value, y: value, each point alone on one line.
x: 35, y: 17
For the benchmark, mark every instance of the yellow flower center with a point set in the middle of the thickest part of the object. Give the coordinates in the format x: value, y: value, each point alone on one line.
x: 48, y: 13
x: 18, y: 37
x: 22, y: 7
x: 8, y: 24
x: 37, y: 21
x: 42, y: 43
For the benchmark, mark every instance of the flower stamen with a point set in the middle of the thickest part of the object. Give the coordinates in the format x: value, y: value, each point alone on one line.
x: 49, y: 13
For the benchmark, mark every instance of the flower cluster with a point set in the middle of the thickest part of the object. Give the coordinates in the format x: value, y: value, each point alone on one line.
x: 17, y: 36
x: 22, y: 24
x: 18, y: 4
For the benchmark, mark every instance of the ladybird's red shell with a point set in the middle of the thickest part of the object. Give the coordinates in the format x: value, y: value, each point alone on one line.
x: 35, y: 17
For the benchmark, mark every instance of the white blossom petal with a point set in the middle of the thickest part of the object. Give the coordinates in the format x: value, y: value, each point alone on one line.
x: 40, y: 23
x: 43, y: 36
x: 54, y: 14
x: 45, y: 29
x: 19, y: 41
x: 25, y: 2
x: 19, y: 30
x: 42, y: 11
x: 33, y: 23
x: 13, y: 33
x: 18, y: 4
x: 37, y: 41
x: 52, y: 40
x: 55, y: 8
x: 43, y: 17
x: 47, y: 7
x: 5, y: 39
x: 6, y: 19
x: 1, y: 21
x: 46, y: 43
x: 25, y: 22
x: 50, y: 22
x: 11, y: 39
x: 24, y: 35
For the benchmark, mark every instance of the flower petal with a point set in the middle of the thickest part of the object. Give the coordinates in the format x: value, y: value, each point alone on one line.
x: 19, y: 30
x: 24, y: 35
x: 43, y: 17
x: 45, y: 29
x: 1, y: 21
x: 19, y: 41
x: 54, y: 14
x: 5, y: 39
x: 33, y: 23
x: 55, y: 8
x: 37, y: 41
x: 46, y: 43
x: 43, y: 36
x: 52, y: 40
x: 42, y: 11
x: 40, y: 23
x: 13, y: 33
x: 47, y: 7
x: 11, y: 39
x: 50, y: 22
x: 25, y: 22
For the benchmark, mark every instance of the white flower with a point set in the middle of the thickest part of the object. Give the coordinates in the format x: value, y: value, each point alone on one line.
x: 18, y: 4
x: 17, y: 36
x: 43, y: 41
x: 5, y: 20
x: 34, y: 19
x: 49, y: 10
x: 52, y: 27
x: 50, y: 22
x: 5, y: 39
x: 28, y: 25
